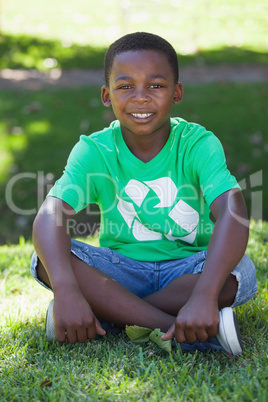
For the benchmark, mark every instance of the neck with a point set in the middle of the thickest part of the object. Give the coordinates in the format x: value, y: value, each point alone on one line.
x: 146, y: 147
x: 146, y: 150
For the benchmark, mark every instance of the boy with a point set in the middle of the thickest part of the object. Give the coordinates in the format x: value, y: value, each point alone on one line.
x: 159, y: 183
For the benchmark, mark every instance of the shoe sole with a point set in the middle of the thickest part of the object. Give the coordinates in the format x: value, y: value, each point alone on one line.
x: 229, y: 334
x: 50, y: 330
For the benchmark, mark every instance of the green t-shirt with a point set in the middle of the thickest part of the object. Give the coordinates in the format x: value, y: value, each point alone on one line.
x: 151, y: 211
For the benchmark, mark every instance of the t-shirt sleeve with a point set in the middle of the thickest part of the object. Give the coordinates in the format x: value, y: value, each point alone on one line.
x: 209, y: 167
x: 76, y: 186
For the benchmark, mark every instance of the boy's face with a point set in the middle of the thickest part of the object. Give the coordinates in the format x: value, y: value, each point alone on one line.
x: 141, y: 92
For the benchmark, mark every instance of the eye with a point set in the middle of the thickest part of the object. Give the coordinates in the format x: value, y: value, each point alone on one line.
x: 124, y: 86
x: 156, y: 86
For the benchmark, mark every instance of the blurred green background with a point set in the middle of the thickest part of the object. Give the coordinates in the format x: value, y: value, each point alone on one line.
x: 39, y: 128
x: 190, y: 25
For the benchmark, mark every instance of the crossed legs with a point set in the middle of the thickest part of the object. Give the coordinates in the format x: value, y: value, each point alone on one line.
x: 111, y: 302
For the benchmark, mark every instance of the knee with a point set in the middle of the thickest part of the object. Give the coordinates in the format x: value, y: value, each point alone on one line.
x: 245, y: 274
x: 228, y: 292
x: 42, y: 274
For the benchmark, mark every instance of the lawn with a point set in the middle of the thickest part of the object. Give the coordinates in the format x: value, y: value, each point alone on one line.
x: 204, y: 32
x: 38, y: 130
x: 112, y: 368
x: 23, y: 51
x: 190, y: 26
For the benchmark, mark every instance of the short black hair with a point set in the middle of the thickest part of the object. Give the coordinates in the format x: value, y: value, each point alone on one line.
x: 140, y: 41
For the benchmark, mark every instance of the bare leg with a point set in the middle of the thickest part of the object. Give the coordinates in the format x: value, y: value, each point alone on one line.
x: 113, y: 303
x: 110, y: 301
x: 176, y: 294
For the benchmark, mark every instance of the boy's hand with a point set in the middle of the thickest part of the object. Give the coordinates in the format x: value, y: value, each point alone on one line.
x: 197, y: 320
x: 73, y: 318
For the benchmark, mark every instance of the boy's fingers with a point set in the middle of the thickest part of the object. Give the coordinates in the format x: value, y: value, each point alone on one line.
x: 99, y: 329
x: 169, y: 334
x: 81, y: 335
x: 71, y: 336
x: 95, y: 329
x: 190, y: 335
x: 60, y: 334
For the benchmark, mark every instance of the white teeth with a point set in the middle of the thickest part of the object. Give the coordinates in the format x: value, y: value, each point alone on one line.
x: 141, y: 116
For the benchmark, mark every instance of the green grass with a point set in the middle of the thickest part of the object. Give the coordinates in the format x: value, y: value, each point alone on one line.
x: 204, y: 32
x: 22, y: 51
x: 190, y: 26
x: 38, y: 130
x: 112, y: 368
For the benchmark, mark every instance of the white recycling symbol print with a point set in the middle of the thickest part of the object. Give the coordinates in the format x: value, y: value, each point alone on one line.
x: 182, y: 214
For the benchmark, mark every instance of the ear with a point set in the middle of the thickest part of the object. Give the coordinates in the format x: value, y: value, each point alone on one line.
x: 178, y: 95
x: 105, y: 96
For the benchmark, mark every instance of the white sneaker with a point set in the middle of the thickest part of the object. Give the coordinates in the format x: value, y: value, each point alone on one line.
x: 50, y: 330
x: 229, y: 335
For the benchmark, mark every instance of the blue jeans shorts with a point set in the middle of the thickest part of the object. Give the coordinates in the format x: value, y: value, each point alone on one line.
x: 144, y: 278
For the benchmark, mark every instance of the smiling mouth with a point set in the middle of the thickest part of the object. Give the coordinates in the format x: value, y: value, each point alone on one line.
x: 141, y: 115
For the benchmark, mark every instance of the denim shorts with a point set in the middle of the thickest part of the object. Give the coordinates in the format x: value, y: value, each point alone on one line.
x: 144, y: 278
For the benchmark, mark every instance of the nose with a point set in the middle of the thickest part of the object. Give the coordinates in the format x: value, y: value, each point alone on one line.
x: 140, y: 95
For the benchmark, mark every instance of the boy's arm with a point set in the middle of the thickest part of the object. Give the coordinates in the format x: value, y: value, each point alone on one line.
x: 199, y: 318
x: 72, y: 313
